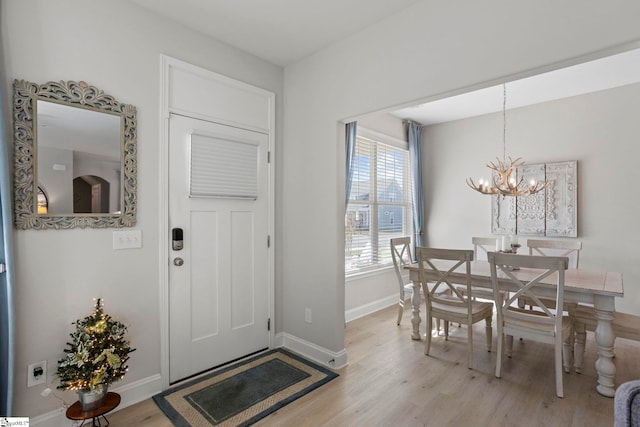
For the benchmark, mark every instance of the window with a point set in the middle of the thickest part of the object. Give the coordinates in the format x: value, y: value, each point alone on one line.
x: 380, y: 205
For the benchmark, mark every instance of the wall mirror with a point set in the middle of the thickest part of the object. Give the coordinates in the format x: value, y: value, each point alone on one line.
x: 75, y: 157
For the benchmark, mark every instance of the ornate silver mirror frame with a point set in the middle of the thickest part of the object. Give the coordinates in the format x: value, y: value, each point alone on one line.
x: 80, y: 95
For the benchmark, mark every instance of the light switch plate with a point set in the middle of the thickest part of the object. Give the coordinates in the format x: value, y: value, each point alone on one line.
x: 127, y: 239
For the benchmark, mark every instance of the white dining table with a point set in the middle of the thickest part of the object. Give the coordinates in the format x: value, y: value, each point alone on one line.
x: 583, y: 286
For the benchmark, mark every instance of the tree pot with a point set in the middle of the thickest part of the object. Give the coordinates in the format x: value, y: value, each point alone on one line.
x: 92, y: 399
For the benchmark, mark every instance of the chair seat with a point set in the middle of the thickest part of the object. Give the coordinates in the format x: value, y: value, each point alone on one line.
x: 408, y: 288
x: 537, y: 323
x: 483, y: 293
x: 458, y: 313
x: 548, y: 302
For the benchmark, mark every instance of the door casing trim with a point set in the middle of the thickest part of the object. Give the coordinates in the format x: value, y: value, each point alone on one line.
x: 168, y: 63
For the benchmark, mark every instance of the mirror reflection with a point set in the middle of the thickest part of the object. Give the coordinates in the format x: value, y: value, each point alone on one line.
x: 75, y: 157
x: 78, y: 159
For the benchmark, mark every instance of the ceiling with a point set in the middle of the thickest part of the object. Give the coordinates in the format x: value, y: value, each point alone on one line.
x: 279, y: 31
x: 605, y: 73
x: 68, y: 127
x: 286, y: 31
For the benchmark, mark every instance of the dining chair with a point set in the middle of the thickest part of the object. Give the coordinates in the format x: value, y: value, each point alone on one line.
x: 584, y: 316
x: 545, y: 325
x: 401, y: 255
x: 453, y: 306
x: 548, y: 247
x: 481, y: 248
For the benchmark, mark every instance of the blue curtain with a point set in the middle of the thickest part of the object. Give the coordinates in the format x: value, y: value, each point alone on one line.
x: 6, y: 259
x: 350, y: 145
x: 414, y: 136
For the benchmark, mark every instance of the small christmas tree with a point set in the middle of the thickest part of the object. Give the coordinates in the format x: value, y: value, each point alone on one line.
x: 97, y: 353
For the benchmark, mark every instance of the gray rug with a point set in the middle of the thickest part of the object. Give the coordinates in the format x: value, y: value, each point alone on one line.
x: 244, y: 392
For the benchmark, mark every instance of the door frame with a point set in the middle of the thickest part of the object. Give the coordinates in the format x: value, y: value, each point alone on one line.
x: 167, y: 65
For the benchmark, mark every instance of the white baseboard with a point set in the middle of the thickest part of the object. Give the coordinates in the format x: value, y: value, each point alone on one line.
x: 320, y: 355
x: 140, y: 390
x: 130, y: 394
x: 372, y: 307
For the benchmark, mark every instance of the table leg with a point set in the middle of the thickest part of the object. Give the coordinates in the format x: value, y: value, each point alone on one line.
x: 605, y: 338
x: 415, y: 311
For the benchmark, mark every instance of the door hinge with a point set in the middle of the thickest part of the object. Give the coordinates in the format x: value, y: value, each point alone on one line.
x: 268, y: 241
x: 268, y: 156
x: 268, y: 324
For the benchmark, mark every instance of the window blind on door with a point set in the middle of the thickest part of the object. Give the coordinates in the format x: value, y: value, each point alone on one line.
x: 223, y: 167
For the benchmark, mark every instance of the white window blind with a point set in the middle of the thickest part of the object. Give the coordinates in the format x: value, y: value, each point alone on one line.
x: 223, y: 167
x: 380, y: 206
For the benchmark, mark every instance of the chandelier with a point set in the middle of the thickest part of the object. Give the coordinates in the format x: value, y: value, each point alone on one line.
x: 505, y: 182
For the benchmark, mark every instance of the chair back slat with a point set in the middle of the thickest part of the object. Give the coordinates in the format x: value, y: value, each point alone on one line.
x: 451, y: 261
x: 482, y: 246
x: 401, y: 256
x: 562, y: 248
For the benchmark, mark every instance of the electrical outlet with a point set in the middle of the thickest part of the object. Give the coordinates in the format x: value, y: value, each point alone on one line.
x: 37, y: 373
x: 307, y: 315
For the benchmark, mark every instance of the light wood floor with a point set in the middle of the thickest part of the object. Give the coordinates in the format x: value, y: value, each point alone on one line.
x: 390, y: 382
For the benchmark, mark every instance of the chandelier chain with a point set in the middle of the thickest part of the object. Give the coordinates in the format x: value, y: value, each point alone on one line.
x: 506, y: 181
x: 504, y: 122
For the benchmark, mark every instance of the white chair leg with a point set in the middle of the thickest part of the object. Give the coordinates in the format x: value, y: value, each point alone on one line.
x: 509, y: 339
x: 427, y: 341
x: 578, y: 353
x: 567, y: 353
x: 401, y: 302
x: 489, y: 332
x: 470, y: 347
x: 499, y: 351
x: 558, y: 369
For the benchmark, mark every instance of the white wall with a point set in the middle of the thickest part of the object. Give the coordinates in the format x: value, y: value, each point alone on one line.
x: 599, y: 130
x: 58, y: 185
x: 430, y: 49
x: 116, y: 46
x: 384, y: 123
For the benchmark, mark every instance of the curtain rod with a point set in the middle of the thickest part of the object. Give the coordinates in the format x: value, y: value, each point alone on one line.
x: 407, y: 121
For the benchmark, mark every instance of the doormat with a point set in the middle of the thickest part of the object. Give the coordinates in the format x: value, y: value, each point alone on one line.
x: 243, y: 393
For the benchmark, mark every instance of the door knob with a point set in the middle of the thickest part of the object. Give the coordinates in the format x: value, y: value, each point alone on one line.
x: 178, y: 261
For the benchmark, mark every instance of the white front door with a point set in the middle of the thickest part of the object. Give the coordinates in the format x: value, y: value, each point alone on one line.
x: 218, y: 281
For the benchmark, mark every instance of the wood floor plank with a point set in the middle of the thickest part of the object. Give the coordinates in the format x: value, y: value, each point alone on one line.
x: 390, y: 382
